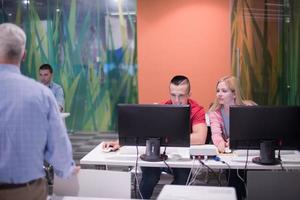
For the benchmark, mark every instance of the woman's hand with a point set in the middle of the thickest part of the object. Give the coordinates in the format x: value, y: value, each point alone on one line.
x: 221, y: 147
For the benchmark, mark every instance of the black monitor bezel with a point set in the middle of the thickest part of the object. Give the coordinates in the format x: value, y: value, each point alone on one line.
x: 152, y: 110
x: 257, y: 119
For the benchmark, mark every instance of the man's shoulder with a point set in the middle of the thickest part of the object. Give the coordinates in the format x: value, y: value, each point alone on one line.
x: 166, y: 102
x: 56, y: 85
x: 41, y: 87
x: 197, y: 113
x: 33, y: 83
x: 32, y: 87
x: 194, y: 105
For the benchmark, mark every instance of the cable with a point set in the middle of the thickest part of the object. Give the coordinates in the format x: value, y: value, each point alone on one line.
x: 165, y: 150
x: 192, y: 179
x: 199, y: 168
x: 245, y: 171
x: 211, y: 170
x: 279, y: 148
x: 218, y: 159
x: 137, y: 185
x: 279, y: 156
x: 169, y: 168
x: 246, y: 189
x: 187, y: 181
x: 281, y: 165
x: 246, y: 163
x: 244, y: 174
x: 229, y: 170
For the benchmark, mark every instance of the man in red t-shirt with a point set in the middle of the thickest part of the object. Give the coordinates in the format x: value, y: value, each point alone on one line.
x: 197, y: 116
x: 179, y: 95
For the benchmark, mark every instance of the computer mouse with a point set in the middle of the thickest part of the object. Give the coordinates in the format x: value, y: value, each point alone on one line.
x: 174, y: 156
x: 107, y: 149
x: 227, y: 150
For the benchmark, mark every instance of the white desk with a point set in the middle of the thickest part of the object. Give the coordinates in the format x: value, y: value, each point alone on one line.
x: 170, y: 192
x: 64, y: 115
x: 126, y: 156
x: 94, y: 183
x: 78, y: 198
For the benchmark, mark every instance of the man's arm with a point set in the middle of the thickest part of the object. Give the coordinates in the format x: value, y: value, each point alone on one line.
x: 198, y: 136
x: 58, y: 151
x: 60, y: 98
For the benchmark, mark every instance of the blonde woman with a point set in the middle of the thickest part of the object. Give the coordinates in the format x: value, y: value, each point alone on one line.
x: 228, y: 93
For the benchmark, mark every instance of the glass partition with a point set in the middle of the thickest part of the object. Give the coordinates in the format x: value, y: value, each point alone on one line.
x: 265, y: 50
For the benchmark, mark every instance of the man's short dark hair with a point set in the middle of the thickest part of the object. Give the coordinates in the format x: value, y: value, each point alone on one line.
x: 46, y: 66
x: 180, y: 79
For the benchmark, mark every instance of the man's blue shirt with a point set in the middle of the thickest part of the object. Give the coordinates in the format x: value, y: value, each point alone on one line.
x: 58, y: 93
x: 31, y: 129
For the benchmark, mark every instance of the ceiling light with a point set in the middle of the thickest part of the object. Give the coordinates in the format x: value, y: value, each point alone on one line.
x: 26, y: 2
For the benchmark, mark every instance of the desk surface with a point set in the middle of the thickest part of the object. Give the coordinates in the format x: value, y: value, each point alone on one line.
x: 196, y: 192
x: 126, y: 156
x: 78, y: 198
x: 64, y: 115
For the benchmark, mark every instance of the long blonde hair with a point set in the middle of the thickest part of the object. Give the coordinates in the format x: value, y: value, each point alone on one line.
x: 234, y: 86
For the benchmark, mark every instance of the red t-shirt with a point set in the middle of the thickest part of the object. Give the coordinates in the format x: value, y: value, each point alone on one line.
x: 197, y: 115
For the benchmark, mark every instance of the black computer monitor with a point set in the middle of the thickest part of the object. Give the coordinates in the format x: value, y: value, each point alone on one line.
x: 266, y: 128
x: 154, y: 125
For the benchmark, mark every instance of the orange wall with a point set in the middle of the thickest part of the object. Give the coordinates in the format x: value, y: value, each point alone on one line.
x: 189, y: 37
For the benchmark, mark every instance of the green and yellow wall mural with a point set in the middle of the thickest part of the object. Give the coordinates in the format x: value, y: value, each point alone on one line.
x: 265, y: 50
x: 91, y: 45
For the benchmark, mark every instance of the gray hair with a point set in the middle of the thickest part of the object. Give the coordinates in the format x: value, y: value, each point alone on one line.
x: 12, y: 42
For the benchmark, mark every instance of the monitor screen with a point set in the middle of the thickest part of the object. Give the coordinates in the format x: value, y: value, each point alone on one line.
x: 169, y: 125
x: 251, y: 126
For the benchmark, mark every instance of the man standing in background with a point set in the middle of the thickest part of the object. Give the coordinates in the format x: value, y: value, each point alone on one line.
x: 31, y: 129
x: 46, y: 74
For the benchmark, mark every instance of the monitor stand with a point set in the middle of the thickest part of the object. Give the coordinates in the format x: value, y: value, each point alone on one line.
x: 267, y: 154
x: 153, y: 151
